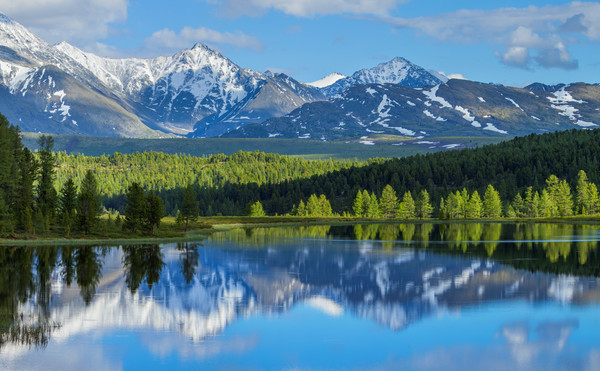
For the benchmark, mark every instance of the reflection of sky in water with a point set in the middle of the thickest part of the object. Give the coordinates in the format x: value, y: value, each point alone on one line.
x: 324, y: 303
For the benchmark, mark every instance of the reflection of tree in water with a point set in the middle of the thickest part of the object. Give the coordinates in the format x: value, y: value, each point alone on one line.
x: 142, y: 262
x: 189, y: 259
x: 89, y: 271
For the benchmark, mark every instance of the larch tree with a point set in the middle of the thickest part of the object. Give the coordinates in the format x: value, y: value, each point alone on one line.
x: 388, y: 203
x: 492, y: 205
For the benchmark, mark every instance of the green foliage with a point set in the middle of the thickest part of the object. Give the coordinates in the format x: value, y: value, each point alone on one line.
x: 135, y: 211
x: 89, y: 206
x: 388, y: 203
x: 46, y: 194
x: 357, y: 207
x: 423, y: 208
x: 492, y: 206
x: 189, y: 205
x: 406, y: 209
x: 256, y: 210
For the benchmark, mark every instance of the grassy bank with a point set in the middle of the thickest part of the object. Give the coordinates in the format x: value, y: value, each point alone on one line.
x: 108, y: 232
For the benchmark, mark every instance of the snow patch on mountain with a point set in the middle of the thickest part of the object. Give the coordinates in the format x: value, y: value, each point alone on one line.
x: 327, y: 80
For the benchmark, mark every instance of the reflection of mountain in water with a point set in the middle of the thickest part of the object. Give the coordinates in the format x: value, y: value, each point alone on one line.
x: 198, y: 291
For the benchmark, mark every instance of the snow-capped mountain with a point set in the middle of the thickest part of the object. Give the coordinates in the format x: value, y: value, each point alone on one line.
x: 397, y: 71
x: 146, y: 97
x: 327, y: 80
x: 458, y: 107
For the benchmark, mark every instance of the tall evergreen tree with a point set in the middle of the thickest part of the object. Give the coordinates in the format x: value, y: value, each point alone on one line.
x: 189, y: 205
x: 406, y: 209
x: 46, y: 194
x: 492, y: 206
x: 154, y: 212
x: 24, y: 207
x: 474, y: 206
x: 89, y: 206
x: 583, y: 196
x: 256, y: 210
x: 135, y: 209
x: 388, y: 202
x: 423, y: 208
x: 67, y: 205
x: 357, y: 207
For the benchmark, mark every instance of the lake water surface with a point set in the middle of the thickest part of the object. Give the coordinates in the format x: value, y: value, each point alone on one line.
x: 391, y: 296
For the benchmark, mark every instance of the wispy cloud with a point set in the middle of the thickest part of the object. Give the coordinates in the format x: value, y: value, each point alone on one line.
x: 80, y: 22
x: 167, y: 41
x: 306, y: 8
x: 529, y: 37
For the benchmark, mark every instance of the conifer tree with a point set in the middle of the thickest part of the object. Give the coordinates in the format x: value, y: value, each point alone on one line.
x: 67, y: 205
x: 372, y: 210
x: 88, y: 203
x: 312, y: 206
x: 423, y: 208
x: 256, y: 209
x: 325, y: 206
x: 189, y: 205
x: 154, y: 211
x: 135, y: 210
x: 518, y: 206
x: 583, y: 195
x: 492, y: 206
x: 301, y: 209
x: 406, y: 209
x: 474, y: 207
x: 564, y: 199
x: 594, y: 199
x: 46, y: 194
x: 357, y: 207
x: 388, y: 202
x: 24, y: 205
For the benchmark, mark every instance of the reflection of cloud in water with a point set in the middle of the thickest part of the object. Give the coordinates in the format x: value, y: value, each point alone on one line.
x: 545, y: 347
x: 169, y: 343
x: 326, y: 306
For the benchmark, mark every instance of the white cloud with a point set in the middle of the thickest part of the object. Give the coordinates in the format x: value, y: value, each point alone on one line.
x: 307, y: 8
x: 169, y: 40
x: 80, y: 22
x: 530, y: 36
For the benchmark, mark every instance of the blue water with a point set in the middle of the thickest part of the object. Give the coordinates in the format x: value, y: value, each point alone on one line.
x: 288, y: 300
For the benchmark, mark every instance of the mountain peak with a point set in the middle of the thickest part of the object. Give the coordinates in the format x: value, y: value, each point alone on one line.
x: 396, y: 71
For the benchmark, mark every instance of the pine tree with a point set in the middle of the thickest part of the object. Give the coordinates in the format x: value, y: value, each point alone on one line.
x: 518, y: 206
x: 373, y: 207
x: 406, y: 209
x: 492, y: 206
x: 189, y: 205
x: 154, y: 212
x: 474, y: 206
x: 46, y: 194
x: 325, y: 206
x: 357, y: 207
x: 388, y: 202
x: 423, y: 208
x: 546, y: 205
x: 256, y: 209
x: 528, y: 202
x: 24, y: 202
x: 583, y: 196
x: 564, y: 199
x: 301, y: 209
x: 88, y: 203
x: 135, y: 210
x: 535, y: 205
x: 594, y: 199
x: 67, y: 205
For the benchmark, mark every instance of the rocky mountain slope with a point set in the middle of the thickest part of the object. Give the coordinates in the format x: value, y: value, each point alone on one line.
x: 455, y: 108
x: 196, y: 87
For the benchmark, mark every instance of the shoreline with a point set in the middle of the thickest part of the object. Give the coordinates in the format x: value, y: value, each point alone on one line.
x: 206, y: 226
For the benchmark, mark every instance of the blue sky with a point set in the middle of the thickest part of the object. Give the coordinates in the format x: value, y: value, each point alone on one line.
x: 510, y: 42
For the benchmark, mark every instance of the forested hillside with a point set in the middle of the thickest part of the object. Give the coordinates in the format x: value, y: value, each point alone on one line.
x: 160, y: 172
x: 510, y: 167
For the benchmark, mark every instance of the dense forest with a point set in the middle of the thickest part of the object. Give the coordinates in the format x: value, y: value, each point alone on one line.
x: 510, y: 167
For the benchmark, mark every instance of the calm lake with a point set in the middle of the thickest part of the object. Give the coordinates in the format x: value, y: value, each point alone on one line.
x: 390, y: 296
